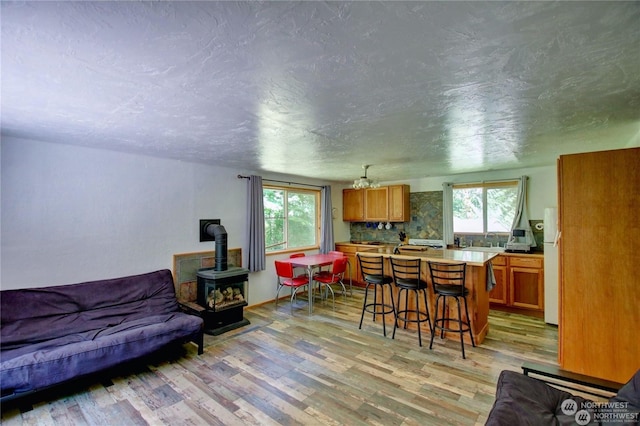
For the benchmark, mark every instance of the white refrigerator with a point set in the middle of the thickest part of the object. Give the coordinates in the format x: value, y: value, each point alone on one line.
x: 551, y: 272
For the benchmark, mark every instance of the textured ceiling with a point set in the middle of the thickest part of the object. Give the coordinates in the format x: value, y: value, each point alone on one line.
x: 318, y: 89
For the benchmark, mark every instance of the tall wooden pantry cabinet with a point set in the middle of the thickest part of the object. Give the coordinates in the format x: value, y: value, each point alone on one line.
x: 599, y: 212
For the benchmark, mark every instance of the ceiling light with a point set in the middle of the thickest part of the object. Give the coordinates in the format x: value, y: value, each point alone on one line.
x: 365, y: 182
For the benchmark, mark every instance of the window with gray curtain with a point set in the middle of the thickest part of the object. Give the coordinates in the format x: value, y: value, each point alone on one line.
x: 483, y: 207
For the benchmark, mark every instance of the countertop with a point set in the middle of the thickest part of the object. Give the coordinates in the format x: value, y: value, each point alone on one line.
x: 472, y: 258
x: 418, y: 249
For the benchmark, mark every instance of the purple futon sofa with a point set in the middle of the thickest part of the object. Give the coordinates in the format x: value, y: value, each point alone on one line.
x: 527, y: 401
x: 52, y: 334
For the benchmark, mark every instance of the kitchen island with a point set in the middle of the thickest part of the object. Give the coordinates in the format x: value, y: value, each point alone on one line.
x: 476, y: 282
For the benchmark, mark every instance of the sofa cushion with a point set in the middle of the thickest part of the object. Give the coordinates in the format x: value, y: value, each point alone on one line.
x: 523, y: 400
x: 78, y: 311
x: 41, y: 365
x: 629, y: 395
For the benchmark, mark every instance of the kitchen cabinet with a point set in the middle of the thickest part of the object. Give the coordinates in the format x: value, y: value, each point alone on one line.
x: 526, y: 283
x: 598, y: 207
x: 376, y: 204
x: 353, y: 205
x: 498, y: 295
x: 519, y: 284
x: 399, y: 203
x: 353, y: 272
x: 383, y: 204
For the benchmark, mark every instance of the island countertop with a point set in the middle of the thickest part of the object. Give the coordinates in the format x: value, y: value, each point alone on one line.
x: 471, y: 258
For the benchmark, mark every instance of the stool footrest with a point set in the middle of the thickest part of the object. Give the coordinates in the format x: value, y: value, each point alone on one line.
x: 404, y: 316
x: 453, y: 330
x: 372, y: 308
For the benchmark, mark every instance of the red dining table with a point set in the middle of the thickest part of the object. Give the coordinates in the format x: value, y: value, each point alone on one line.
x: 311, y: 262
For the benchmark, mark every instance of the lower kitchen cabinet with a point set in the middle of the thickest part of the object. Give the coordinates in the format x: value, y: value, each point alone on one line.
x: 519, y: 284
x: 498, y: 294
x: 354, y: 270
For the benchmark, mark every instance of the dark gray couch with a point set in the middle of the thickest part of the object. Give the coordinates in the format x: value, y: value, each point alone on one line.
x: 524, y: 400
x: 52, y: 334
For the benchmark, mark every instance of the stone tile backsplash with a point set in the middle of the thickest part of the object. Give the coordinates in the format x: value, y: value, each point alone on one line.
x: 426, y: 223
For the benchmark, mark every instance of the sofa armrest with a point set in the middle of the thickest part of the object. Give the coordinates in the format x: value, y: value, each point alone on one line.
x: 197, y: 310
x: 568, y: 380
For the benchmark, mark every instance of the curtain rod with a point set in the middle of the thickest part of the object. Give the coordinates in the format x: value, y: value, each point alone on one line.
x: 487, y: 181
x: 282, y: 181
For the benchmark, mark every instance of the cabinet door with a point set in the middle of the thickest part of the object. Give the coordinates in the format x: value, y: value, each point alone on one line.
x: 376, y: 204
x: 499, y: 293
x: 526, y: 288
x: 353, y: 271
x: 353, y: 205
x: 399, y: 208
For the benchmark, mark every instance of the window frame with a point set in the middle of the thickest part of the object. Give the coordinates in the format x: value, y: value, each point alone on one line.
x: 317, y: 200
x: 484, y: 186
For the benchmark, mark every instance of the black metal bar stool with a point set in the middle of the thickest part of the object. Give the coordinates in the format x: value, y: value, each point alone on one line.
x: 372, y: 268
x: 407, y: 278
x: 448, y: 281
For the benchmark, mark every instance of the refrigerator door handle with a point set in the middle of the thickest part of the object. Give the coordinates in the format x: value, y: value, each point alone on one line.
x: 556, y: 240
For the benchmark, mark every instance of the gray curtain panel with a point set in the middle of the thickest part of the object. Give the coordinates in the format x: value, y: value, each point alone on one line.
x: 447, y: 214
x: 521, y: 220
x: 326, y: 226
x: 256, y: 257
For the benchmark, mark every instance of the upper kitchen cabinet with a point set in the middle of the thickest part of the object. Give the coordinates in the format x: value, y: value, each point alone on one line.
x: 353, y: 205
x: 376, y: 204
x: 384, y: 204
x: 399, y: 207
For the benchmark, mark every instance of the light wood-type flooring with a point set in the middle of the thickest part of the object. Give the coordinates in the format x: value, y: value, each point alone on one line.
x: 287, y: 369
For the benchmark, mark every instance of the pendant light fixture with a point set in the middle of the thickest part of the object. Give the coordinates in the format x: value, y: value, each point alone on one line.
x: 364, y: 181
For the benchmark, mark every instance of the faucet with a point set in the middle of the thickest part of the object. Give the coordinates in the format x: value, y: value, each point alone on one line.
x: 396, y: 250
x: 492, y: 234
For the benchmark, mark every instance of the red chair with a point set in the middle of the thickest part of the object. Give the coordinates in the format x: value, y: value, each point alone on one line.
x: 339, y: 253
x: 333, y: 276
x: 286, y: 278
x: 304, y: 270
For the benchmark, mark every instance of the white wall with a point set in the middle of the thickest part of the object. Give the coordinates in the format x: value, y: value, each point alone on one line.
x: 72, y: 214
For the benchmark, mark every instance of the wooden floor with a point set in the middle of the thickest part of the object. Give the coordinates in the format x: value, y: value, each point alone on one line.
x: 299, y: 369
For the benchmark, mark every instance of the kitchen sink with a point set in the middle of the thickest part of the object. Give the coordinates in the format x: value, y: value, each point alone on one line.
x: 485, y: 249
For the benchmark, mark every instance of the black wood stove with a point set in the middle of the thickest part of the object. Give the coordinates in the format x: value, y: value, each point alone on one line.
x: 222, y: 290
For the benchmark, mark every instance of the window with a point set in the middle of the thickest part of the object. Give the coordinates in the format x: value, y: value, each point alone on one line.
x: 291, y: 218
x: 484, y: 207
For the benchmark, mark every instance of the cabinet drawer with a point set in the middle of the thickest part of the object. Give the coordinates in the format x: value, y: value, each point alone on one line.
x: 346, y: 249
x: 526, y: 262
x: 499, y: 260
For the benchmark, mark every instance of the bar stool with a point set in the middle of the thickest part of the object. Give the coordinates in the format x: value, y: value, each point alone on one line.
x: 372, y: 269
x: 448, y: 281
x: 407, y: 278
